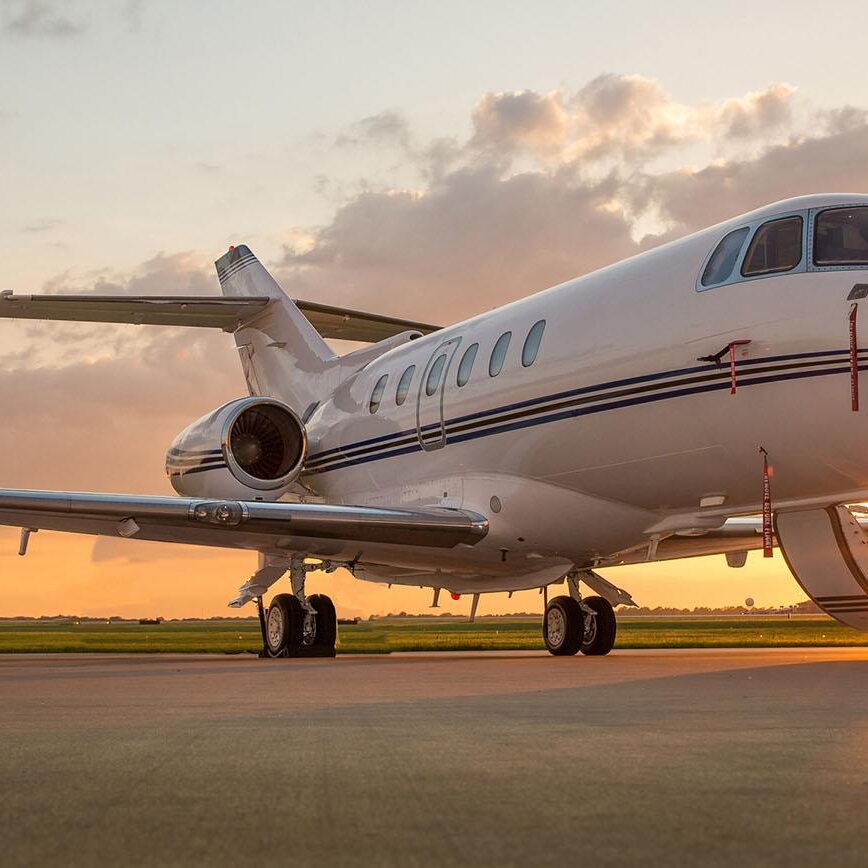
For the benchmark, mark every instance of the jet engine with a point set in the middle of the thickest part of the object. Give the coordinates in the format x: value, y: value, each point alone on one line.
x: 248, y: 449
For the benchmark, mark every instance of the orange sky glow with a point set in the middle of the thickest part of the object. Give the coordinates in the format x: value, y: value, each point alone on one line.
x: 425, y: 191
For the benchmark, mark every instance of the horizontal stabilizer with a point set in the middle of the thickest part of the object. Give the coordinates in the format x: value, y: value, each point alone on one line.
x: 218, y: 312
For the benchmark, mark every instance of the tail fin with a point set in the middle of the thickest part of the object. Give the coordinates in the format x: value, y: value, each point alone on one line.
x: 282, y: 354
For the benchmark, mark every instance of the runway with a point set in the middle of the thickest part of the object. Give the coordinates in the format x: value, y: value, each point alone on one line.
x: 645, y: 757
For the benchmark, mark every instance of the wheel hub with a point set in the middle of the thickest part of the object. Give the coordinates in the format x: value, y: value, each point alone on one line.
x: 309, y: 628
x: 556, y: 627
x: 274, y: 626
x: 589, y: 633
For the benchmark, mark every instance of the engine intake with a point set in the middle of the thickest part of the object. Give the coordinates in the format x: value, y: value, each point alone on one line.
x: 248, y: 448
x: 264, y: 445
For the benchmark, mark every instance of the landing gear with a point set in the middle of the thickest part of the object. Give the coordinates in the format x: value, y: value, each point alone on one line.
x: 598, y: 637
x: 563, y: 626
x: 573, y: 623
x: 296, y: 625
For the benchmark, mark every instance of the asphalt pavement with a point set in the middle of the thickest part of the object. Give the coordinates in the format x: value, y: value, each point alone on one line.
x: 708, y: 757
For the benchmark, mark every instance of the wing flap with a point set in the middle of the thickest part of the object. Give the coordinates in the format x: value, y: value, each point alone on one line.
x: 226, y: 313
x: 236, y: 524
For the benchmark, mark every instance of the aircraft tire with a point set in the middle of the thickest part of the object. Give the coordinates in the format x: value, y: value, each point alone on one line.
x: 599, y: 634
x: 283, y: 626
x: 326, y: 620
x: 563, y: 626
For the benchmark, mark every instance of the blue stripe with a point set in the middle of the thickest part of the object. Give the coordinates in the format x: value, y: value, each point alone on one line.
x: 197, y: 453
x: 583, y: 390
x: 200, y: 469
x: 342, y: 452
x: 599, y: 408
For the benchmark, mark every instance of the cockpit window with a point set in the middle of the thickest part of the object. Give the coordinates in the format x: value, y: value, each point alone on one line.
x: 776, y: 247
x: 724, y: 257
x: 841, y: 237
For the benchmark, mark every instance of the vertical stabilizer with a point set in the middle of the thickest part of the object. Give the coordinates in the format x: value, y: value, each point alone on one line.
x: 282, y: 354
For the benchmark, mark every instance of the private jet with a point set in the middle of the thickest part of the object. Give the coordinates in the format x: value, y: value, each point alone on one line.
x: 699, y: 398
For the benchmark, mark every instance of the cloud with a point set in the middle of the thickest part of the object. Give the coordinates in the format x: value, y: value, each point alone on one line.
x: 757, y: 112
x: 43, y: 18
x: 473, y: 239
x: 43, y: 224
x: 520, y: 119
x: 626, y: 118
x: 552, y: 185
x: 384, y: 128
x: 690, y: 198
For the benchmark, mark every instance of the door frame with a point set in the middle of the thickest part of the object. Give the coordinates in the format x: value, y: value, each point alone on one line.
x: 427, y: 444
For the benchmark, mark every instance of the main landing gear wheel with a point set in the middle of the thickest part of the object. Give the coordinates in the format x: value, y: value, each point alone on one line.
x: 599, y: 631
x: 326, y: 623
x: 563, y: 626
x: 290, y: 631
x: 284, y: 626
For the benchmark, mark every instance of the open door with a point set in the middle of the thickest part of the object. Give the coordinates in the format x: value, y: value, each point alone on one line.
x: 430, y: 427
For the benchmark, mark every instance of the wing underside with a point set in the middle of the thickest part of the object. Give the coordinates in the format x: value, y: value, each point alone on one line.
x: 737, y: 534
x: 225, y: 313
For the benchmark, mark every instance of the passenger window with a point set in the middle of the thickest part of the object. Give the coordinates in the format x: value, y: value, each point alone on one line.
x: 724, y: 257
x: 435, y: 374
x: 404, y: 385
x: 841, y: 237
x: 377, y: 394
x: 532, y: 342
x: 466, y: 365
x: 498, y: 354
x: 776, y: 246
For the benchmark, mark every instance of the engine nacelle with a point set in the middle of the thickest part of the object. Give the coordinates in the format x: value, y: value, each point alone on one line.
x: 248, y: 449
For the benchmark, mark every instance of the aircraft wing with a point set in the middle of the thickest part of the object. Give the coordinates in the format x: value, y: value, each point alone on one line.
x: 312, y: 527
x: 219, y: 312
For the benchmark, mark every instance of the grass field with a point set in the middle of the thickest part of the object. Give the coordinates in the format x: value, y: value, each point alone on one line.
x: 419, y: 634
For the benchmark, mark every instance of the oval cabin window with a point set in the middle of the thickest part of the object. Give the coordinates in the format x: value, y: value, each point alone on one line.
x: 531, y: 343
x: 377, y: 394
x: 466, y: 365
x: 434, y: 375
x: 498, y: 354
x: 404, y: 385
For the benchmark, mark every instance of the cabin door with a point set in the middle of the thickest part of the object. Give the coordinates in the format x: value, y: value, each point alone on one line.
x: 430, y: 427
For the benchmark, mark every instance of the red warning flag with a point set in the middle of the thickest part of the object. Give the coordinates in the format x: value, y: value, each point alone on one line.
x: 854, y: 359
x: 732, y: 346
x: 767, y: 506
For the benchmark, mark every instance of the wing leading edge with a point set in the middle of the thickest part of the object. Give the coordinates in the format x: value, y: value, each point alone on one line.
x: 219, y: 312
x: 237, y: 524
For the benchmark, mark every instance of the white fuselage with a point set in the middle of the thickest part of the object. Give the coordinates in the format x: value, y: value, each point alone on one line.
x: 616, y: 425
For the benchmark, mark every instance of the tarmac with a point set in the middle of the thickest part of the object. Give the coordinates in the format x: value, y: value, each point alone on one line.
x: 707, y: 757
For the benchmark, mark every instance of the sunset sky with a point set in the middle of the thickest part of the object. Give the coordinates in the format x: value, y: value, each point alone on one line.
x: 423, y: 160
